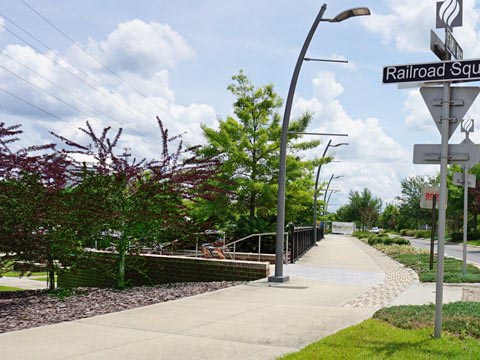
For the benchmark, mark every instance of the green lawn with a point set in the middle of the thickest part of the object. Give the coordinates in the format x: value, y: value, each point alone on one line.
x: 9, y: 288
x: 461, y: 319
x: 28, y: 274
x: 453, y: 268
x: 474, y: 242
x: 376, y: 339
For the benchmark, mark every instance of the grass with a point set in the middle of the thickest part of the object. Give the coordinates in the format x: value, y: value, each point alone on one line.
x: 453, y: 268
x: 376, y: 339
x: 474, y: 242
x: 461, y: 319
x: 9, y: 288
x: 27, y: 274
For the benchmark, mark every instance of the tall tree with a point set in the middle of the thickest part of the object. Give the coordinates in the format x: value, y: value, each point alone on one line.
x: 411, y: 215
x: 34, y: 218
x: 141, y: 202
x: 389, y: 217
x: 363, y: 207
x: 248, y: 145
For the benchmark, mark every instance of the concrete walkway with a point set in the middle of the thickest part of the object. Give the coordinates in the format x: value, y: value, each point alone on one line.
x: 330, y: 289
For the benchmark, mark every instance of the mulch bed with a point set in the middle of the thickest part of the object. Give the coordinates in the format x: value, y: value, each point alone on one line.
x: 32, y: 308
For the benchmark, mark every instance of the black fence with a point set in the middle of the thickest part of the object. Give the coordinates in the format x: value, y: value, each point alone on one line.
x: 301, y: 239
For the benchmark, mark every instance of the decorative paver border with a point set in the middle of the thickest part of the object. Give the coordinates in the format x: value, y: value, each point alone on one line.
x: 397, y: 279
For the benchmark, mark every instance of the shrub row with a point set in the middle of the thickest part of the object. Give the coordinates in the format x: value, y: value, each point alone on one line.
x: 386, y: 240
x: 458, y: 236
x: 416, y: 233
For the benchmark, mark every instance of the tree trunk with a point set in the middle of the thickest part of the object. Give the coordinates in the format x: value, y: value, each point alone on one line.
x: 122, y: 249
x: 475, y: 223
x: 50, y: 267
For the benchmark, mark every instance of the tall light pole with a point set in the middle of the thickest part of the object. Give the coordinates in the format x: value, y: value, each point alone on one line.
x: 316, y: 188
x: 328, y: 200
x: 279, y: 277
x: 326, y: 189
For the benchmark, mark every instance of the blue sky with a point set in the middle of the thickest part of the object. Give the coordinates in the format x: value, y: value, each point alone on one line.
x: 182, y: 54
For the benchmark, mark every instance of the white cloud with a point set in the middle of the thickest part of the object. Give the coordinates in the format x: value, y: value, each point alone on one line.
x: 143, y: 54
x: 407, y: 25
x: 418, y: 117
x: 373, y: 159
x: 136, y: 47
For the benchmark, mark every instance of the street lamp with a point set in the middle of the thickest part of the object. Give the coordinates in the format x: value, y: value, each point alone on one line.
x: 328, y: 199
x: 279, y: 277
x: 326, y: 190
x: 316, y: 189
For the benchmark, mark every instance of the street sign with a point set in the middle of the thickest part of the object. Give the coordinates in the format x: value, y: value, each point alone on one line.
x: 456, y: 70
x: 466, y: 153
x: 427, y: 194
x: 449, y: 14
x: 461, y: 100
x: 459, y: 179
x: 438, y: 47
x: 453, y: 47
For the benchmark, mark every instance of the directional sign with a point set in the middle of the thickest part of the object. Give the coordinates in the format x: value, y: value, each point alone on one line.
x: 427, y: 193
x: 461, y: 100
x: 449, y: 14
x: 453, y: 47
x: 459, y: 179
x: 457, y: 70
x: 438, y: 47
x: 466, y: 153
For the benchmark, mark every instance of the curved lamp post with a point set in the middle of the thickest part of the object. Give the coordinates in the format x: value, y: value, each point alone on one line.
x: 328, y: 200
x: 279, y: 277
x: 316, y: 188
x: 328, y: 186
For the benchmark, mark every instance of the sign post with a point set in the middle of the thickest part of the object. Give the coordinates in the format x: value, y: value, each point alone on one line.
x: 428, y: 200
x: 446, y: 113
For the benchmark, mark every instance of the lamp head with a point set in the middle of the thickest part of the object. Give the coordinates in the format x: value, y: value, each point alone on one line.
x: 344, y: 15
x: 340, y: 144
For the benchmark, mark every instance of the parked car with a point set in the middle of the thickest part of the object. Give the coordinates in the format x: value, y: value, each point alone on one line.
x: 375, y: 230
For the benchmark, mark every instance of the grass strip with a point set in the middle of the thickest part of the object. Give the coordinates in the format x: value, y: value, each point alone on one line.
x: 9, y: 288
x: 461, y: 319
x: 375, y: 339
x: 453, y: 268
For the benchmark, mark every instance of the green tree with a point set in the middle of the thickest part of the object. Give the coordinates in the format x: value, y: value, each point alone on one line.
x: 411, y: 216
x: 363, y: 207
x: 389, y: 217
x: 248, y: 146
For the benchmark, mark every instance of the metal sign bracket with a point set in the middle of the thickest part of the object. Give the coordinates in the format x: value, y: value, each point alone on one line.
x: 452, y: 103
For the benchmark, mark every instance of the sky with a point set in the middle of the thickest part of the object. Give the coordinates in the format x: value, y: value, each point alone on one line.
x: 175, y: 59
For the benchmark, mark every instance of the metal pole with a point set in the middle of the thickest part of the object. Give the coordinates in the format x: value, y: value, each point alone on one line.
x: 465, y: 220
x: 316, y: 191
x: 282, y: 174
x: 432, y: 240
x: 442, y: 210
x: 325, y: 194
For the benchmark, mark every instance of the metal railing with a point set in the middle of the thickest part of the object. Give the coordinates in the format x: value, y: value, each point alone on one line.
x: 302, y: 239
x: 259, y: 244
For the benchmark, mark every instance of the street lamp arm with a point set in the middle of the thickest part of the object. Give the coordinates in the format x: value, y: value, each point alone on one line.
x: 279, y: 277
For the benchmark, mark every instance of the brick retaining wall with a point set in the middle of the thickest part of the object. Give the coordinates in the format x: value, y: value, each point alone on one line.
x: 99, y: 270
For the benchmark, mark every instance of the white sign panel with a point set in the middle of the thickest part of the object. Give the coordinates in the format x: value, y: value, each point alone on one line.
x: 343, y: 228
x: 462, y: 98
x: 459, y: 179
x: 426, y: 197
x: 466, y: 153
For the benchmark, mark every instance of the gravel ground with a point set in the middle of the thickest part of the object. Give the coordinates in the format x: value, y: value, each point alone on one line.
x: 32, y: 308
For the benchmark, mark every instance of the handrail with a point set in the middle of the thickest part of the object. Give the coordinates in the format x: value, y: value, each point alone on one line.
x: 234, y: 243
x: 248, y: 237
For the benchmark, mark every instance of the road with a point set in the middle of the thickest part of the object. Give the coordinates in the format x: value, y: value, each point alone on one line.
x: 454, y: 250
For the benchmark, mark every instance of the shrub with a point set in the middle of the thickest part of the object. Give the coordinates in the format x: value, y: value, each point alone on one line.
x: 458, y: 236
x: 423, y: 234
x: 403, y: 232
x: 361, y: 234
